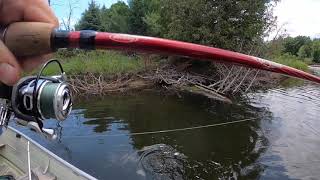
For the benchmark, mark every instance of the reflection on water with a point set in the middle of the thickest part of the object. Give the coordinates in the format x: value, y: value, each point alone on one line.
x: 282, y: 143
x: 294, y: 146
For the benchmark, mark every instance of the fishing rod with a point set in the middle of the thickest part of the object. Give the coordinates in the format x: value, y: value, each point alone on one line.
x: 34, y: 38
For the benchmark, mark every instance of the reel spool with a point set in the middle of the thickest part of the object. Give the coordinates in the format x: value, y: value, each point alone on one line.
x: 35, y: 98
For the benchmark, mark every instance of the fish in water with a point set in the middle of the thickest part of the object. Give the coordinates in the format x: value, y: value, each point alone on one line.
x: 159, y: 161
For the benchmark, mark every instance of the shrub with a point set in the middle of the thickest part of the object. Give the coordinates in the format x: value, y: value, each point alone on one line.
x: 292, y: 61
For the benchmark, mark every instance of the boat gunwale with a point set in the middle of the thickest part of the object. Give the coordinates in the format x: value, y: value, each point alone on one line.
x: 75, y: 170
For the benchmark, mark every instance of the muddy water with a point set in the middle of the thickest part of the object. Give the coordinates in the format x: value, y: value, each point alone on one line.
x: 104, y: 136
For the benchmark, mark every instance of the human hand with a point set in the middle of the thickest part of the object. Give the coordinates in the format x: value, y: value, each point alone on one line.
x: 17, y: 11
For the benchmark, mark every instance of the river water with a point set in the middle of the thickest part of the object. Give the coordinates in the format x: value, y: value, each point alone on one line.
x: 280, y: 140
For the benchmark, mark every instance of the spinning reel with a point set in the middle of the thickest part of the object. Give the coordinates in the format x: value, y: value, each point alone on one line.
x: 35, y: 98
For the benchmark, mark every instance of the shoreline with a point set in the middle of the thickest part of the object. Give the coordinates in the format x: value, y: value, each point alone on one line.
x: 108, y: 72
x: 91, y: 84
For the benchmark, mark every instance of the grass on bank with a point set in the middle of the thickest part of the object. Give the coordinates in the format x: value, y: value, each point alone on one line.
x: 97, y: 62
x: 293, y: 61
x: 78, y: 62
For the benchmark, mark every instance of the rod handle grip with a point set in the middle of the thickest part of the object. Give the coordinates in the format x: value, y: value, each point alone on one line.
x: 28, y: 38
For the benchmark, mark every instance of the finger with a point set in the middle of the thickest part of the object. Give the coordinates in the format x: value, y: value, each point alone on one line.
x: 31, y: 63
x: 11, y: 11
x: 9, y: 67
x: 26, y: 10
x: 40, y: 13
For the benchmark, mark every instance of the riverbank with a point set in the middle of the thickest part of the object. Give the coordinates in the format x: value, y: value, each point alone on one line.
x: 293, y: 61
x: 105, y: 72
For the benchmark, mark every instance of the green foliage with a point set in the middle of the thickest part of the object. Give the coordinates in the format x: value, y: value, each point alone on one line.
x: 138, y: 10
x: 116, y: 18
x: 183, y: 20
x: 292, y: 61
x: 231, y: 24
x: 301, y: 48
x: 275, y: 47
x: 90, y: 19
x: 316, y: 51
x: 105, y: 62
x: 293, y: 45
x: 305, y: 51
x: 154, y: 27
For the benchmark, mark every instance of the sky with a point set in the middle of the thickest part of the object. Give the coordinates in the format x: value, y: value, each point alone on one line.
x: 60, y: 7
x: 298, y: 17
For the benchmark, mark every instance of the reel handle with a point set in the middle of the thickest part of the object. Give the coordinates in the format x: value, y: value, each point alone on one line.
x: 27, y: 38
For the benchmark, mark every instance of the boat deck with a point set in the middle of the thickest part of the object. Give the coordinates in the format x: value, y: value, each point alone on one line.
x: 44, y: 164
x: 8, y: 168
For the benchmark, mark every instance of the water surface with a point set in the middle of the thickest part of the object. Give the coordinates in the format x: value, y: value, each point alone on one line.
x: 102, y: 136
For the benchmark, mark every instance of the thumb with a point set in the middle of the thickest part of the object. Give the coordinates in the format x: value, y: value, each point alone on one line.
x: 9, y: 67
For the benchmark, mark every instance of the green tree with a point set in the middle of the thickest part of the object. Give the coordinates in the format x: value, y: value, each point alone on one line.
x: 152, y: 21
x: 230, y: 24
x: 182, y: 20
x: 275, y: 47
x: 305, y: 51
x: 316, y: 51
x: 293, y: 45
x: 152, y: 18
x: 116, y: 19
x: 138, y: 9
x: 91, y: 18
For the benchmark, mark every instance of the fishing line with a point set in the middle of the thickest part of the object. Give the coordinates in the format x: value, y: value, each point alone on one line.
x: 165, y: 131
